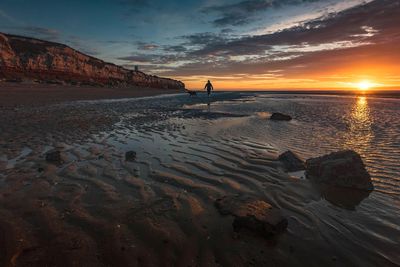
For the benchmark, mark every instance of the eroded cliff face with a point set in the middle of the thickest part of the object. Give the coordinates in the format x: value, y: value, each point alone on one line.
x: 23, y: 58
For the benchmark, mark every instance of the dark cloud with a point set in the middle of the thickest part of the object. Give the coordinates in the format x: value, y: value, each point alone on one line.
x: 38, y: 32
x: 142, y: 58
x: 112, y: 42
x: 175, y: 48
x: 242, y: 12
x: 227, y: 31
x: 232, y: 19
x: 146, y: 46
x: 206, y: 38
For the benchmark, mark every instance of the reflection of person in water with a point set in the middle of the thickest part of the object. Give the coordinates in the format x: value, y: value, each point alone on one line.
x: 209, y: 87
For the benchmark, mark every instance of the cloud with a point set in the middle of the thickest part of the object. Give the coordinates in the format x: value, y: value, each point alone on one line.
x: 175, y: 48
x: 205, y: 38
x: 356, y: 25
x: 242, y: 13
x: 38, y: 32
x: 227, y: 31
x: 364, y: 33
x: 139, y: 58
x: 146, y: 46
x: 47, y: 33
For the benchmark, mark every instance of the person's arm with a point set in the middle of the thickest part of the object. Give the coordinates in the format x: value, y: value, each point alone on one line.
x: 212, y: 87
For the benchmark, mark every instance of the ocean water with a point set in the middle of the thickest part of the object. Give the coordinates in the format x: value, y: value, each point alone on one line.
x: 326, y: 123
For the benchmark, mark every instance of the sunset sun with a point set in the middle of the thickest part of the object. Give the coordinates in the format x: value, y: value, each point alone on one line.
x: 364, y: 85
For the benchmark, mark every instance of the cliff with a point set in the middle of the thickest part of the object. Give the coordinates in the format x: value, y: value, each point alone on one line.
x: 23, y: 58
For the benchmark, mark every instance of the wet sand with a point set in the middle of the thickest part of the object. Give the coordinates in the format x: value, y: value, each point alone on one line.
x: 16, y: 94
x: 97, y: 209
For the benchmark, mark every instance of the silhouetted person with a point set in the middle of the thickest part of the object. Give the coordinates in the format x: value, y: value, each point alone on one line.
x: 209, y: 87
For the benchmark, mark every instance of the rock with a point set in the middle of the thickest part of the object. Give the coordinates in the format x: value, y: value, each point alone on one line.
x: 253, y: 214
x: 343, y: 168
x: 280, y: 117
x: 130, y: 156
x: 292, y: 162
x: 54, y: 157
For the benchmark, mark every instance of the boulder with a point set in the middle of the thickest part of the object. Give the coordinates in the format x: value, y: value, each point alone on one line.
x: 343, y: 168
x: 292, y: 162
x: 54, y: 157
x: 252, y: 214
x: 130, y: 156
x: 280, y: 117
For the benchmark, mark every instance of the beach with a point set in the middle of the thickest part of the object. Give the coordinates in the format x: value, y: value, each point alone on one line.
x: 93, y: 206
x: 35, y: 94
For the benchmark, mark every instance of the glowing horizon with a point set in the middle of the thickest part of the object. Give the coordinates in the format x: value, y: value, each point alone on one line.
x: 235, y: 83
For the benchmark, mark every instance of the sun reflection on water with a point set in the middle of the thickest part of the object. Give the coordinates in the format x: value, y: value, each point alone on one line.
x: 360, y: 112
x: 360, y: 121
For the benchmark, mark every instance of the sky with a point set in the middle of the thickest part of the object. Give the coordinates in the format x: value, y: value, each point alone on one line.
x: 250, y: 44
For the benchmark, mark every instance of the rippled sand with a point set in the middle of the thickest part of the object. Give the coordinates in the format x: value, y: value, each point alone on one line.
x: 96, y: 209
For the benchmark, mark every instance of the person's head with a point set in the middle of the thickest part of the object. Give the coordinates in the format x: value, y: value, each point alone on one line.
x: 208, y: 81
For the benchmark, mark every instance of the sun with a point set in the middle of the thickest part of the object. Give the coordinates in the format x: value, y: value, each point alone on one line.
x: 364, y: 85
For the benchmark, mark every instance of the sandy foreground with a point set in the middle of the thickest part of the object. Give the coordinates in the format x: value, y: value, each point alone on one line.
x: 14, y: 94
x: 95, y: 208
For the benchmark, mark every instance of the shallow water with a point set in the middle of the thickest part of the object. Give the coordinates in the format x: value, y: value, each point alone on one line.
x: 159, y: 209
x: 322, y: 124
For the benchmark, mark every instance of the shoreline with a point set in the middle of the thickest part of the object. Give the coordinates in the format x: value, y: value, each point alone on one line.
x: 25, y: 94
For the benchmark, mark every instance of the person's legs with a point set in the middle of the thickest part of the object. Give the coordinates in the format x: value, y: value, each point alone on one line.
x: 208, y: 92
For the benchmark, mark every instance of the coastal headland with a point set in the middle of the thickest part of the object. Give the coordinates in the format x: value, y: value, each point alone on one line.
x: 37, y: 71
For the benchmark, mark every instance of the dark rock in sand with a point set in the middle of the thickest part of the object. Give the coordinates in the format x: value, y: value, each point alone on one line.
x: 54, y: 157
x: 280, y: 117
x: 343, y: 168
x: 130, y: 156
x: 292, y: 162
x: 253, y: 214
